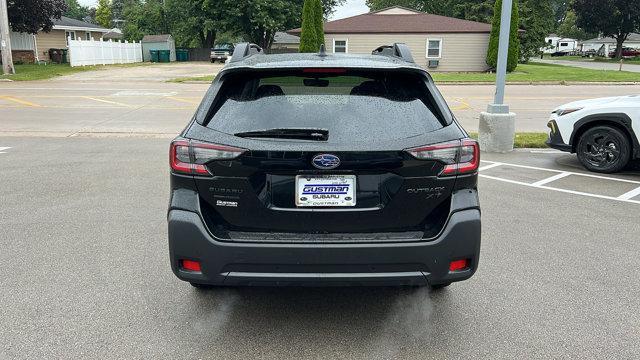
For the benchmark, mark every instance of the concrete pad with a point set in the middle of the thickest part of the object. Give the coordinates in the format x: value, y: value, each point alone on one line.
x: 496, y: 132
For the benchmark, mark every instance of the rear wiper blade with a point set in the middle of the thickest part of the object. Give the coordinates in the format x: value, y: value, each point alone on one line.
x: 288, y: 133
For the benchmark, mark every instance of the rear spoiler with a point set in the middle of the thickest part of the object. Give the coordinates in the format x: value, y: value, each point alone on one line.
x: 397, y: 50
x: 245, y: 50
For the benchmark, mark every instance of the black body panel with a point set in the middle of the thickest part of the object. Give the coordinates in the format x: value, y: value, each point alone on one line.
x: 239, y: 217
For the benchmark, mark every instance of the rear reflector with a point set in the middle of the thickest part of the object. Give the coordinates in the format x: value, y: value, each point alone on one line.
x: 458, y: 156
x: 190, y: 157
x: 458, y: 265
x: 190, y: 265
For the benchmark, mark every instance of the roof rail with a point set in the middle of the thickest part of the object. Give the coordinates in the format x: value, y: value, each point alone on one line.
x: 244, y: 50
x: 398, y: 50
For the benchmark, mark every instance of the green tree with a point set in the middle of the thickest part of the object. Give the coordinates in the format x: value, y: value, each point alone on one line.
x: 514, y: 40
x: 34, y: 15
x: 308, y: 33
x: 75, y: 10
x: 196, y: 23
x: 537, y: 21
x: 103, y: 13
x: 613, y: 18
x: 569, y: 28
x: 318, y: 22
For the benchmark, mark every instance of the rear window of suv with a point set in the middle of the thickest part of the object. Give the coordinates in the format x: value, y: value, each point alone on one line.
x: 351, y: 106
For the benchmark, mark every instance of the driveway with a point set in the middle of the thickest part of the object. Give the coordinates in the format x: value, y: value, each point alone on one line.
x: 591, y: 65
x: 145, y: 72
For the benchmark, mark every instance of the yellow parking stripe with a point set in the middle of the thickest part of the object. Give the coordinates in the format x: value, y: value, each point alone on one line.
x: 106, y: 101
x: 19, y: 101
x: 183, y: 100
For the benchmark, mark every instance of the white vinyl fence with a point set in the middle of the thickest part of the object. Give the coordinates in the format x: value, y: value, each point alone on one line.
x: 99, y: 52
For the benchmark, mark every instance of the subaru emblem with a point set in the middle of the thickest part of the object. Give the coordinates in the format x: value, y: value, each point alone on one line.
x: 326, y: 161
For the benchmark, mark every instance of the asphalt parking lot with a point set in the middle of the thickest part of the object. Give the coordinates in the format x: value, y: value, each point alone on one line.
x: 138, y: 99
x: 87, y: 274
x: 83, y: 198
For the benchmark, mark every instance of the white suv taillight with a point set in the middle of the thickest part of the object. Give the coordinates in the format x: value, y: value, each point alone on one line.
x: 190, y: 157
x: 459, y: 156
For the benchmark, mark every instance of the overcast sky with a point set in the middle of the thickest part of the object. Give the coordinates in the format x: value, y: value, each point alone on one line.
x: 350, y: 8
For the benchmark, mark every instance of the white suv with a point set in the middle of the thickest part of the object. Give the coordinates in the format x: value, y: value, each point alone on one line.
x: 602, y: 132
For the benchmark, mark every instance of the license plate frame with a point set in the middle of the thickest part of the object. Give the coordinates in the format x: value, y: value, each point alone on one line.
x: 327, y: 191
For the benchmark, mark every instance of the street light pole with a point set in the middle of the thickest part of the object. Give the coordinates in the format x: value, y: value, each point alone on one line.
x: 5, y: 40
x: 498, y: 106
x: 497, y: 124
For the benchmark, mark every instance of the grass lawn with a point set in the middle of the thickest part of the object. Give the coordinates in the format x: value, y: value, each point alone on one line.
x: 207, y: 78
x: 526, y: 140
x: 635, y: 60
x: 533, y: 72
x: 42, y: 72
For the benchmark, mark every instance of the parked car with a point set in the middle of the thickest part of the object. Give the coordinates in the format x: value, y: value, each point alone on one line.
x: 602, y: 132
x: 221, y: 52
x: 324, y: 169
x: 626, y: 52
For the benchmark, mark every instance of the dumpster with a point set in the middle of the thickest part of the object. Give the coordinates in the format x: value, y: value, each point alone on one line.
x: 154, y: 55
x: 164, y: 55
x: 182, y: 55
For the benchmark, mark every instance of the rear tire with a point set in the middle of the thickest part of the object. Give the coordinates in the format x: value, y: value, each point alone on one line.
x: 604, y: 149
x: 213, y: 61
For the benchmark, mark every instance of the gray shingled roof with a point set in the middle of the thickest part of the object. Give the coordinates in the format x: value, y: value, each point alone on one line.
x: 633, y: 37
x: 416, y: 23
x: 156, y: 38
x: 66, y: 21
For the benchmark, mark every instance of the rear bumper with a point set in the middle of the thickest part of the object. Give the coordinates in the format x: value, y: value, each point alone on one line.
x: 407, y: 263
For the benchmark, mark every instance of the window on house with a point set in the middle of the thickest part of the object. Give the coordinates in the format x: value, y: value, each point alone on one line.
x: 69, y: 34
x: 434, y: 48
x: 340, y: 46
x: 87, y: 35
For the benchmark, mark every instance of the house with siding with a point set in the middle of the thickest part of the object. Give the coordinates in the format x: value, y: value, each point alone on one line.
x: 608, y: 45
x: 29, y: 48
x: 437, y: 42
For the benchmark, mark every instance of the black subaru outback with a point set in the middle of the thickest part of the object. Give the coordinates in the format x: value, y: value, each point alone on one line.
x: 323, y: 169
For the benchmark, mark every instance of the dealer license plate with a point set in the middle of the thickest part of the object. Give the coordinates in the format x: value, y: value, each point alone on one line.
x: 326, y: 190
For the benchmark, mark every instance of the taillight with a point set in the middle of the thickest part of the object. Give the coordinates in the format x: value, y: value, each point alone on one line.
x: 458, y: 156
x: 190, y: 157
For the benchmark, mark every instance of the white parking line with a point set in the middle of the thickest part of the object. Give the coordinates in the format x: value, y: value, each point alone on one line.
x: 561, y: 174
x: 560, y: 190
x: 631, y: 194
x: 563, y: 171
x: 2, y: 149
x: 487, y: 167
x: 551, y: 179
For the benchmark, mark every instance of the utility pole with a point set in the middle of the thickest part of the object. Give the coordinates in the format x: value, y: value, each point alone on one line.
x: 5, y: 40
x: 497, y: 124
